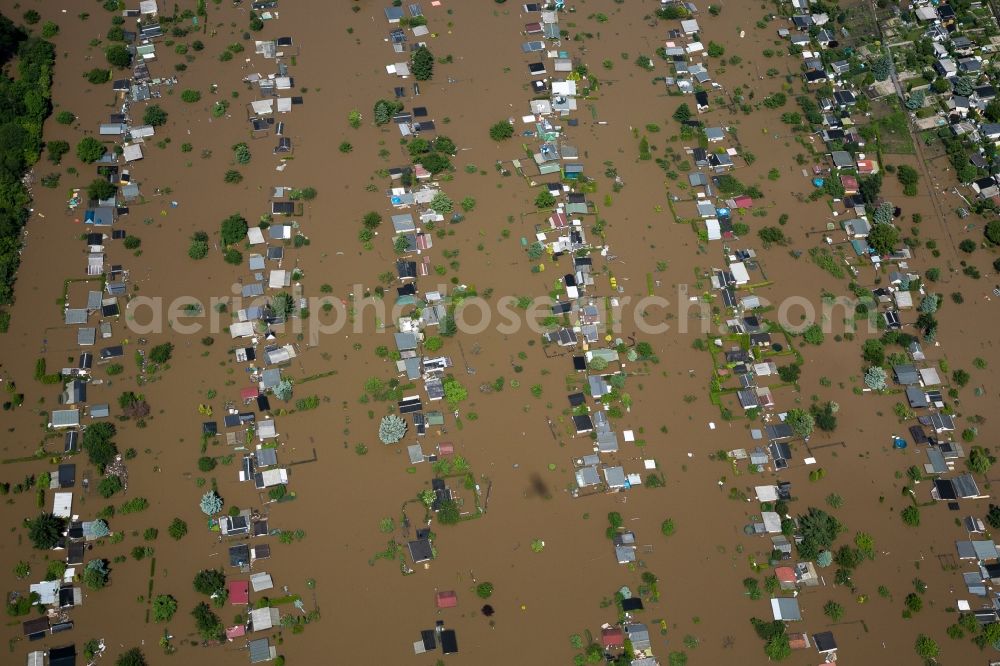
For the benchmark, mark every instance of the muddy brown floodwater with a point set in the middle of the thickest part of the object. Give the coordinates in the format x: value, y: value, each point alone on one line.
x: 372, y: 614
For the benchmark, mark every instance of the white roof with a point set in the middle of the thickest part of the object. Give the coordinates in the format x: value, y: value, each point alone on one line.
x: 283, y: 83
x: 689, y: 26
x: 48, y: 591
x: 241, y: 329
x: 255, y: 235
x: 284, y: 104
x: 772, y: 522
x: 766, y: 493
x: 263, y: 618
x: 62, y: 505
x: 274, y: 477
x: 37, y: 658
x: 266, y: 430
x: 262, y: 107
x: 714, y: 229
x: 261, y: 581
x: 132, y: 152
x: 740, y: 273
x: 567, y: 88
x: 142, y: 132
x: 904, y: 299
x: 65, y: 418
x: 279, y: 278
x: 929, y: 376
x: 147, y: 6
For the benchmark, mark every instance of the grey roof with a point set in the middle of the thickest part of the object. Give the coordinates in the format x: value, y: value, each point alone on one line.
x: 638, y: 635
x: 260, y: 650
x: 75, y: 316
x: 615, y: 476
x: 965, y: 486
x: 415, y: 453
x: 625, y: 554
x: 842, y: 158
x: 965, y: 549
x: 266, y: 457
x: 86, y: 336
x: 936, y: 461
x: 974, y: 583
x: 985, y: 550
x: 916, y: 396
x: 405, y: 341
x: 270, y: 377
x: 714, y: 133
x: 906, y: 374
x: 587, y: 476
x: 786, y: 608
x: 607, y: 442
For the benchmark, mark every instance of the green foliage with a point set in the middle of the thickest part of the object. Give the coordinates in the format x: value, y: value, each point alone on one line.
x: 209, y: 581
x: 241, y: 152
x: 118, y: 56
x: 131, y: 657
x: 109, y: 485
x: 98, y: 445
x: 910, y: 516
x: 883, y: 238
x: 154, y: 115
x: 45, y: 530
x: 101, y: 188
x: 682, y: 113
x: 95, y: 574
x: 484, y: 590
x: 233, y: 177
x: 89, y: 150
x: 233, y: 229
x: 164, y: 607
x: 545, y: 200
x: 818, y: 530
x: 449, y: 513
x: 501, y: 131
x: 161, y: 353
x: 422, y: 64
x: 208, y: 624
x: 833, y: 610
x: 384, y: 110
x: 800, y: 421
x: 190, y: 96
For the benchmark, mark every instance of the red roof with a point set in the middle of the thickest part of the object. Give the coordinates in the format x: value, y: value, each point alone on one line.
x: 785, y: 574
x: 612, y: 637
x: 239, y: 592
x: 249, y: 393
x: 446, y: 599
x: 742, y: 201
x: 446, y: 449
x: 849, y: 182
x: 236, y: 632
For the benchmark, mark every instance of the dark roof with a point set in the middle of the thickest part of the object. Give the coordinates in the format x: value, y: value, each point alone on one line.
x: 420, y: 550
x: 824, y: 641
x: 67, y: 475
x: 239, y: 555
x: 632, y: 604
x: 945, y: 489
x: 583, y: 423
x: 428, y: 637
x: 62, y: 656
x: 579, y: 363
x: 449, y: 643
x: 36, y: 626
x: 576, y: 399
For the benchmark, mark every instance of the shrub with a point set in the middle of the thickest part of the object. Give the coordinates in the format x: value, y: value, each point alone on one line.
x: 484, y: 590
x: 65, y: 118
x: 190, y: 96
x: 177, y: 529
x: 90, y: 150
x: 154, y: 115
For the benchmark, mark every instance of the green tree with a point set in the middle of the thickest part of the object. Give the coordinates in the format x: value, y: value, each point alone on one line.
x: 993, y: 232
x: 109, y: 485
x: 209, y: 581
x: 131, y: 657
x: 790, y: 373
x: 667, y: 527
x: 908, y: 178
x: 210, y: 503
x: 449, y: 513
x: 454, y: 392
x: 100, y: 188
x: 98, y: 445
x: 89, y: 150
x: 190, y: 96
x: 778, y: 648
x: 682, y: 113
x: 207, y: 622
x: 49, y: 30
x: 164, y: 607
x: 422, y: 64
x: 771, y: 235
x: 154, y: 115
x: 118, y: 56
x: 910, y: 516
x: 881, y: 67
x: 545, y: 200
x: 442, y: 203
x: 161, y: 353
x: 97, y: 76
x: 177, y: 529
x: 873, y: 351
x: 926, y: 647
x: 813, y: 335
x: 95, y: 574
x: 883, y: 238
x: 233, y: 229
x: 501, y: 131
x: 833, y: 610
x: 980, y: 460
x: 45, y: 530
x: 800, y: 421
x: 484, y: 590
